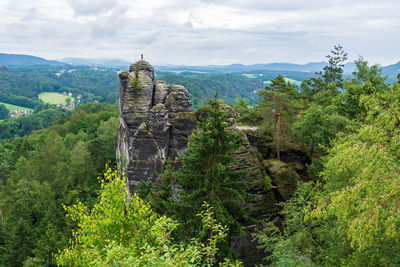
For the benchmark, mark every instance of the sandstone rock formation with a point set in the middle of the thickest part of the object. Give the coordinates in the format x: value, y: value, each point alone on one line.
x: 155, y: 124
x: 156, y: 121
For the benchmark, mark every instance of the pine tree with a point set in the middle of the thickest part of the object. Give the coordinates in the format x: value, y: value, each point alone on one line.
x: 334, y: 71
x: 208, y: 175
x: 276, y: 104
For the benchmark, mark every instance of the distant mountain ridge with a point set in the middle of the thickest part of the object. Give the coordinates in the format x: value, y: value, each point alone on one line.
x: 101, y: 62
x: 309, y: 67
x: 391, y: 71
x: 16, y: 59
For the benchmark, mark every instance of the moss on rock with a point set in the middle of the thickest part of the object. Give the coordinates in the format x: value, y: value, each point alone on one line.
x: 284, y: 177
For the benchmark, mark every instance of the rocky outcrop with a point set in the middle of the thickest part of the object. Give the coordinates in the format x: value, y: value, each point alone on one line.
x: 155, y: 124
x: 269, y: 182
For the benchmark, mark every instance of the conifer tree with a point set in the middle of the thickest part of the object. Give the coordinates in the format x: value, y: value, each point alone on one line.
x: 276, y: 104
x: 208, y: 174
x: 334, y: 71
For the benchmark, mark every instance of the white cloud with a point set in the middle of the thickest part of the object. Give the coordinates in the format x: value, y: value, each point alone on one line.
x: 201, y: 31
x: 90, y: 7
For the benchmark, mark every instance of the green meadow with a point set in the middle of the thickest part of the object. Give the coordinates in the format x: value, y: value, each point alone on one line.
x: 54, y: 98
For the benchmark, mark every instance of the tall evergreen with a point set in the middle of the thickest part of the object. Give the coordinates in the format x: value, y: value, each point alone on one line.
x: 334, y: 71
x: 208, y: 174
x: 277, y: 106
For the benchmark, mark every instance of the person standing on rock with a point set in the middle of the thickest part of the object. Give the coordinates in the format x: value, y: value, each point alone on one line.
x: 141, y: 56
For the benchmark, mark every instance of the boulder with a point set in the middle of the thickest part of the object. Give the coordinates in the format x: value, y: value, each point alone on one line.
x: 283, y: 176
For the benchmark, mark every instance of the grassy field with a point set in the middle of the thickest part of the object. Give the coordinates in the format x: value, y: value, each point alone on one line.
x: 54, y: 98
x: 252, y: 76
x: 14, y: 107
x: 295, y: 82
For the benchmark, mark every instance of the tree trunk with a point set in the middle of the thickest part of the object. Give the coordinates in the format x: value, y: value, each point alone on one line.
x: 278, y: 143
x: 312, y: 149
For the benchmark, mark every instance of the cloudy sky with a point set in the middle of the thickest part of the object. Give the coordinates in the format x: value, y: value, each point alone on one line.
x: 202, y: 32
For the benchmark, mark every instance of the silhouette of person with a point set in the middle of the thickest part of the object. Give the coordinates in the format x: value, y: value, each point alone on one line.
x: 141, y: 56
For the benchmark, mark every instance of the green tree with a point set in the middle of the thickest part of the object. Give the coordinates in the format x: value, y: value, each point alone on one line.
x: 351, y: 217
x: 247, y: 115
x: 317, y: 127
x: 330, y: 79
x: 41, y: 171
x: 107, y: 136
x: 161, y: 194
x: 367, y: 80
x: 361, y: 174
x: 208, y: 174
x: 334, y: 71
x: 122, y: 230
x: 3, y: 112
x: 277, y: 106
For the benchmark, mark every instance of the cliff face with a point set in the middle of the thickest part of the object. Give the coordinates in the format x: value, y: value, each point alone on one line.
x: 155, y: 124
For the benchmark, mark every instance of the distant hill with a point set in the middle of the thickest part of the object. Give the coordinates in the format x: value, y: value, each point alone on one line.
x: 16, y: 59
x: 391, y: 71
x: 101, y: 62
x: 309, y: 67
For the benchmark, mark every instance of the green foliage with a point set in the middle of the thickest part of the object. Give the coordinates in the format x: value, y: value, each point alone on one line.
x: 247, y: 115
x: 41, y: 171
x: 20, y: 126
x: 161, y: 194
x: 364, y: 196
x: 21, y: 85
x: 135, y: 84
x: 122, y: 230
x: 277, y: 105
x: 351, y: 218
x: 333, y: 73
x: 203, y: 86
x: 330, y: 79
x: 107, y: 134
x: 268, y: 183
x: 207, y: 172
x: 348, y: 215
x: 3, y: 112
x: 367, y: 80
x: 207, y: 175
x: 292, y: 243
x: 317, y: 127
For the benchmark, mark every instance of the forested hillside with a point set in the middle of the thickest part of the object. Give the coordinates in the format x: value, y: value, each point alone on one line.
x: 20, y: 85
x: 50, y: 168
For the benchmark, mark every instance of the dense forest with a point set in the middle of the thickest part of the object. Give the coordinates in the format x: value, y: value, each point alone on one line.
x: 62, y: 202
x: 50, y: 168
x: 20, y: 85
x: 229, y: 85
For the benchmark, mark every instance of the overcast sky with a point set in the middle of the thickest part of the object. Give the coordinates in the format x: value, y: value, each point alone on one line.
x: 202, y: 32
